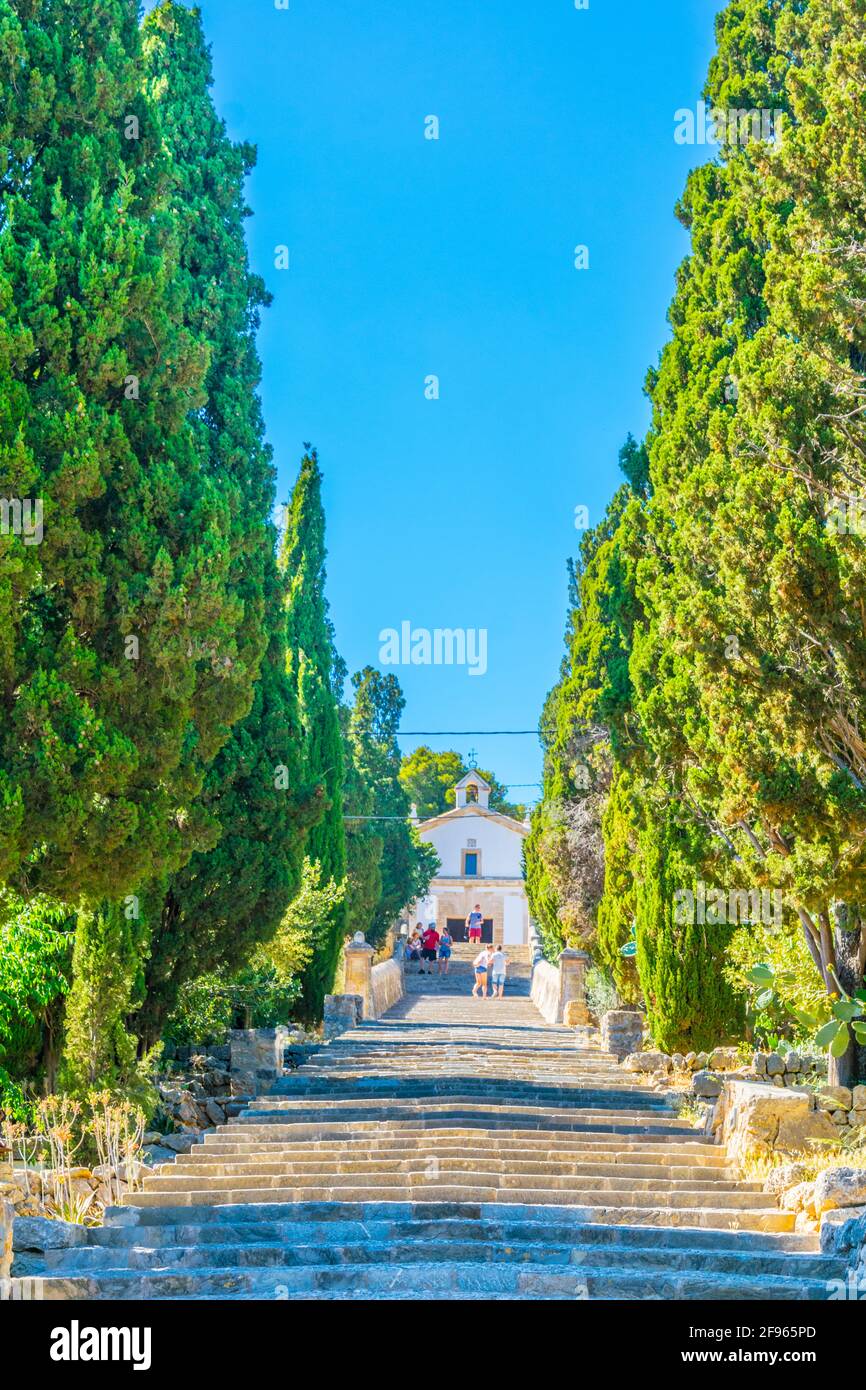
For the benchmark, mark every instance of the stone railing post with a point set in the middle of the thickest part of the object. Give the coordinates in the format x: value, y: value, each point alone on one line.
x: 573, y: 965
x: 256, y: 1057
x: 622, y: 1032
x: 359, y: 972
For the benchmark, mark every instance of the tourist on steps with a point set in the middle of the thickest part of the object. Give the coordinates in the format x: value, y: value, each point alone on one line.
x: 429, y: 946
x: 446, y: 941
x: 473, y: 923
x: 481, y: 965
x: 498, y: 967
x: 413, y: 946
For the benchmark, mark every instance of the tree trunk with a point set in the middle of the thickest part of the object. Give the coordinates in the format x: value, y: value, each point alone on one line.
x: 850, y: 1068
x: 52, y: 1034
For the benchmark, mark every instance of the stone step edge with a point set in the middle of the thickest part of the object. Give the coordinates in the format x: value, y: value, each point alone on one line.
x: 736, y: 1286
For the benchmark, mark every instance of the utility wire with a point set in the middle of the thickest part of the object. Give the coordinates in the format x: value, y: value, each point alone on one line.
x: 462, y: 733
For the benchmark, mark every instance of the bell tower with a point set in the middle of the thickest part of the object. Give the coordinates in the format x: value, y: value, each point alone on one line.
x: 472, y: 790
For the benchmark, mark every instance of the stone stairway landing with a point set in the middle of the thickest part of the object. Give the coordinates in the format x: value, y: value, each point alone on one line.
x: 457, y: 1147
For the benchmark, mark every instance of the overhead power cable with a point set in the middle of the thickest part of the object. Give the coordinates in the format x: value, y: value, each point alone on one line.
x: 463, y: 733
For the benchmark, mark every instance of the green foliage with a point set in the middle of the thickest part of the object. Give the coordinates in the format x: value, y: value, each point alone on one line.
x: 228, y: 898
x: 126, y: 651
x: 310, y: 665
x: 35, y: 959
x: 267, y: 990
x: 617, y: 909
x: 833, y: 1023
x: 407, y: 864
x: 691, y: 1007
x: 748, y: 666
x: 601, y: 991
x: 99, y: 1050
x: 203, y: 1014
x: 429, y: 778
x: 587, y: 734
x: 306, y: 919
x: 785, y: 963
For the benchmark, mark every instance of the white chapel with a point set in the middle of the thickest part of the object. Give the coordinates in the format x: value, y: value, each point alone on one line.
x: 481, y: 861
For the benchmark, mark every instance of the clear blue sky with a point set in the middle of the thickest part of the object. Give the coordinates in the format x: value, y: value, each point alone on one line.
x: 411, y: 257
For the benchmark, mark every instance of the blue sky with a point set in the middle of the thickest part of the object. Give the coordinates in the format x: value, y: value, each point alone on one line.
x: 412, y: 257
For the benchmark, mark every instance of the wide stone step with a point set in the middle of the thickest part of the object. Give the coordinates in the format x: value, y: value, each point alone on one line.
x: 217, y: 1176
x: 393, y: 1138
x: 376, y: 1107
x: 384, y: 1090
x: 435, y: 1281
x: 671, y: 1163
x: 727, y: 1209
x: 463, y: 1248
x: 130, y: 1218
x: 331, y: 1224
x: 200, y: 1166
x: 311, y: 1120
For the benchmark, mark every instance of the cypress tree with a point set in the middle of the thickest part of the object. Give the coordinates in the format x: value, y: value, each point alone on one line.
x: 616, y: 911
x: 690, y: 1005
x: 119, y: 648
x: 364, y: 842
x: 749, y: 670
x: 311, y: 666
x: 214, y: 911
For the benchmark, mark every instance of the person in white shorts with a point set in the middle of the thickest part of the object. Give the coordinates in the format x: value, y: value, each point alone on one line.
x: 498, y: 967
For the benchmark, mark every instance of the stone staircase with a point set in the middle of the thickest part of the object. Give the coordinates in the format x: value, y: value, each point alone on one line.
x: 457, y: 1148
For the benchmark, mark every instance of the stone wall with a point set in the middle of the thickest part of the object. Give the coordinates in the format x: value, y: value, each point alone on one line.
x: 843, y: 1232
x: 342, y: 1012
x: 622, y: 1032
x: 546, y: 990
x: 386, y: 986
x: 754, y: 1120
x: 559, y: 991
x: 257, y: 1053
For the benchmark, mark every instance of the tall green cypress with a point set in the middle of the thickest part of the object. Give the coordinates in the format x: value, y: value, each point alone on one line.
x: 225, y: 901
x: 616, y: 911
x: 680, y: 959
x: 122, y: 644
x: 364, y: 841
x: 311, y: 668
x: 749, y: 671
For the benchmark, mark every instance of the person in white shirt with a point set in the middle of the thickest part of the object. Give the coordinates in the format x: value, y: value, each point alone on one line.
x: 498, y: 967
x: 481, y: 965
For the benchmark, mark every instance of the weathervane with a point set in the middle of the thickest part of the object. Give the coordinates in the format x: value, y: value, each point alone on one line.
x: 473, y: 759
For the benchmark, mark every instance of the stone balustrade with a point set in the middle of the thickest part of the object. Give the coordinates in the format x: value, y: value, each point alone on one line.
x: 559, y: 991
x: 386, y: 986
x: 378, y: 987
